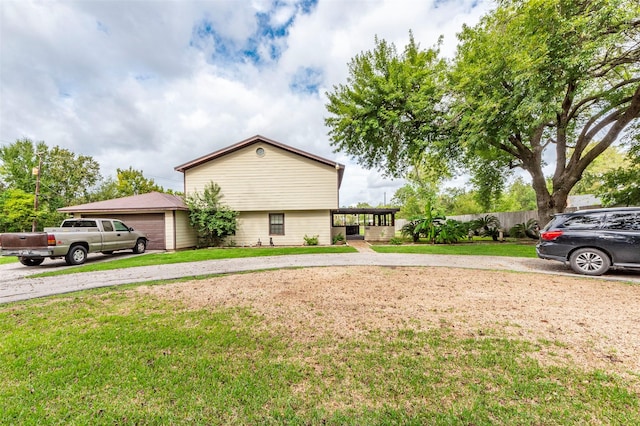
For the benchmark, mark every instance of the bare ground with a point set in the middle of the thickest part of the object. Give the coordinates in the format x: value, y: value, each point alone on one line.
x: 594, y: 323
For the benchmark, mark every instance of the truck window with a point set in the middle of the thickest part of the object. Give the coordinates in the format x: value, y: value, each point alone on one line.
x: 107, y: 226
x: 119, y: 226
x: 80, y: 223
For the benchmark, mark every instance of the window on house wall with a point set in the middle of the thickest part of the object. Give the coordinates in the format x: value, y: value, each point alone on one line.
x: 276, y: 223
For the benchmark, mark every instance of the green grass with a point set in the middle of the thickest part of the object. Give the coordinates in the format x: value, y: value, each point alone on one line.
x: 196, y: 256
x: 119, y: 357
x: 476, y: 248
x: 7, y: 259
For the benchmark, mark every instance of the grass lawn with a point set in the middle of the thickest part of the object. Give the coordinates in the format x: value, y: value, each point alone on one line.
x: 492, y: 248
x: 196, y: 256
x: 7, y: 259
x: 120, y: 357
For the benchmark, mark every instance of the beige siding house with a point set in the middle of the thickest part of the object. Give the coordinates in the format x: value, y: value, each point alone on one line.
x: 280, y: 192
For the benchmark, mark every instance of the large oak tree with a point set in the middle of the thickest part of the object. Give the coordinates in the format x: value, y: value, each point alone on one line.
x: 536, y: 83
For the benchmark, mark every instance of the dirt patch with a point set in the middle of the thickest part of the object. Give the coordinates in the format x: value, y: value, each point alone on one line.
x: 594, y: 323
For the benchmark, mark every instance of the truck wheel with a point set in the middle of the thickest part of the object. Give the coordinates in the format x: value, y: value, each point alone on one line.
x: 140, y: 247
x: 77, y: 255
x: 31, y: 261
x: 589, y: 261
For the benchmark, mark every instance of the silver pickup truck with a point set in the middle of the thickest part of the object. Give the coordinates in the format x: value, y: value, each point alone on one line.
x: 72, y: 240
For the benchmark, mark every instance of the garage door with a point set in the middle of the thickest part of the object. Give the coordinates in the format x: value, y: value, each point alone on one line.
x: 151, y: 224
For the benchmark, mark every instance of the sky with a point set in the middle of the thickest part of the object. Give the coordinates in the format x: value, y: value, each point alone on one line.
x: 152, y: 84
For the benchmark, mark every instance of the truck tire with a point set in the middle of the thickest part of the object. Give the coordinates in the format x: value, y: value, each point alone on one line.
x: 140, y: 247
x: 77, y: 255
x: 31, y: 261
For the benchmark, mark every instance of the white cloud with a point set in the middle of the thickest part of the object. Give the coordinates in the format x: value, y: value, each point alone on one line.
x: 153, y: 84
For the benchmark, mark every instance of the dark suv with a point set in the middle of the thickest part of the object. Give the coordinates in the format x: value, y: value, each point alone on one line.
x: 592, y: 241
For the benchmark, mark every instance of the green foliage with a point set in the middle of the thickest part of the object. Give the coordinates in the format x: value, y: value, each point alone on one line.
x: 412, y: 198
x: 338, y: 239
x: 434, y: 227
x: 311, y: 240
x: 16, y: 211
x: 518, y: 196
x: 486, y: 226
x: 592, y: 180
x: 531, y: 78
x: 396, y: 241
x: 621, y: 186
x: 211, y: 219
x: 428, y: 224
x: 65, y: 178
x: 388, y: 116
x: 529, y: 229
x: 457, y: 201
x: 451, y: 232
x: 132, y: 182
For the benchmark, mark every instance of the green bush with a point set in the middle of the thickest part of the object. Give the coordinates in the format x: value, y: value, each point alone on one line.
x: 338, y: 239
x: 529, y: 229
x: 311, y: 241
x: 396, y: 241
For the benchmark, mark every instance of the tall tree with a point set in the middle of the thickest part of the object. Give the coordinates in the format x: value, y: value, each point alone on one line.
x: 62, y: 176
x: 132, y: 182
x: 539, y: 79
x: 536, y: 81
x: 387, y: 116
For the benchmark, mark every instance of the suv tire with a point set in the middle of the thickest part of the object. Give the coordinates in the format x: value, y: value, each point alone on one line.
x: 590, y: 261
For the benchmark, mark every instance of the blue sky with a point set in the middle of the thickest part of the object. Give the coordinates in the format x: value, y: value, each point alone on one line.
x: 153, y: 84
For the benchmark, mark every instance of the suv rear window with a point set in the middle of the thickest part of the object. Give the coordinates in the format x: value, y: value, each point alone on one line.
x: 585, y: 221
x: 624, y: 221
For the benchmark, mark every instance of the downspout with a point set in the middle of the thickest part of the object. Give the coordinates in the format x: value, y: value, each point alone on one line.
x: 175, y: 231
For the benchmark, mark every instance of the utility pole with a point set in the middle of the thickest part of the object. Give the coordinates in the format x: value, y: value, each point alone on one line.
x: 36, y: 171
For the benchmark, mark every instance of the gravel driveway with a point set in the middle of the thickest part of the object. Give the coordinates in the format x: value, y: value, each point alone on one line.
x: 15, y: 284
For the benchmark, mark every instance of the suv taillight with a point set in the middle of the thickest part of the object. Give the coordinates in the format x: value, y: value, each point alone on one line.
x: 550, y: 235
x: 51, y: 240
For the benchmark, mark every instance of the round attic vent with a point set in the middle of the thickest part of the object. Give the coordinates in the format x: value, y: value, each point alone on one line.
x: 260, y: 152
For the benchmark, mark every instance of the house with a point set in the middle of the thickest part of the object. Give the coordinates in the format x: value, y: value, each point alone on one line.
x: 163, y: 217
x: 281, y: 193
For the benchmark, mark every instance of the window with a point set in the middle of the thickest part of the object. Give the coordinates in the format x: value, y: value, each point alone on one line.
x: 79, y: 223
x: 276, y: 223
x: 119, y: 226
x: 587, y: 221
x: 623, y: 221
x: 107, y: 226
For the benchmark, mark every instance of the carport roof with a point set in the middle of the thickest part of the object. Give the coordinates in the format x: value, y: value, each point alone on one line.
x: 153, y: 201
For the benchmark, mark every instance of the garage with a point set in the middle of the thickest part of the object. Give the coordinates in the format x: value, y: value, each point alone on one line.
x: 163, y: 217
x: 151, y: 224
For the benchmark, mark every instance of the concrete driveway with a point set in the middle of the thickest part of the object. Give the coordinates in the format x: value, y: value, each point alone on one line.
x: 15, y: 285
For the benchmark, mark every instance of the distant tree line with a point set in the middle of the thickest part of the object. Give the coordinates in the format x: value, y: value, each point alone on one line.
x: 63, y: 179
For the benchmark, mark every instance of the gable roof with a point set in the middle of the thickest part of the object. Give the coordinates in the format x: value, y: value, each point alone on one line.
x: 260, y: 139
x: 153, y: 201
